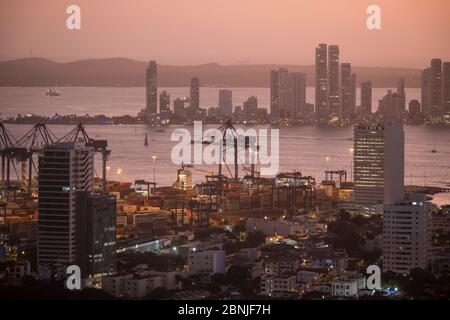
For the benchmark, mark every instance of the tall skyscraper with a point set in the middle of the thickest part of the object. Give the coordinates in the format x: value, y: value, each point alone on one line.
x: 164, y: 106
x: 64, y: 169
x: 348, y: 91
x: 279, y: 93
x: 407, y: 234
x: 321, y: 88
x: 333, y: 80
x: 297, y: 96
x: 151, y: 92
x: 435, y: 88
x: 366, y: 97
x: 378, y: 163
x: 284, y: 92
x: 274, y: 93
x: 75, y: 225
x: 401, y: 92
x: 250, y: 107
x: 95, y: 234
x: 195, y: 93
x: 425, y: 91
x: 225, y: 102
x: 446, y: 86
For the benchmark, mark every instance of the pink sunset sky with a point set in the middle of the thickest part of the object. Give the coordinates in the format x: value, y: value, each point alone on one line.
x: 182, y: 32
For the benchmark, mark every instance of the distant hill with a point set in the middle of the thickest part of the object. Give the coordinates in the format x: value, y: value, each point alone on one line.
x: 127, y: 72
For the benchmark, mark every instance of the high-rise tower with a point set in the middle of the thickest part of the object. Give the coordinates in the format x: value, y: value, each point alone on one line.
x: 407, y: 234
x: 333, y: 80
x: 366, y: 97
x: 195, y: 93
x: 64, y: 169
x: 435, y: 88
x: 378, y: 163
x: 446, y: 86
x: 321, y: 92
x: 279, y: 93
x: 225, y: 102
x: 151, y: 92
x: 297, y: 96
x: 348, y: 91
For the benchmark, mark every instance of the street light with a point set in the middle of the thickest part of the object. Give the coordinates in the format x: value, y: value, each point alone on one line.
x: 154, y: 157
x: 119, y: 172
x: 328, y: 160
x: 352, y: 151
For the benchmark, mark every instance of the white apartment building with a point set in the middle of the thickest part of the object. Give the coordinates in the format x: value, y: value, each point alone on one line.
x: 133, y: 286
x: 271, y: 285
x: 280, y: 266
x: 407, y: 235
x: 347, y: 286
x: 206, y: 262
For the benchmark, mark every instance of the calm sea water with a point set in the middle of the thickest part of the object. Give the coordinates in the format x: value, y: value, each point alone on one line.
x: 302, y: 148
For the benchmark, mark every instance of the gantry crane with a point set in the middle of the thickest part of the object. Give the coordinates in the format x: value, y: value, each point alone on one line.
x: 7, y: 141
x: 23, y: 151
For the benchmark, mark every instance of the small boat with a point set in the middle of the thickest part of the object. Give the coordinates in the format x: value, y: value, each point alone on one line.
x: 52, y: 93
x: 146, y: 140
x: 434, y: 148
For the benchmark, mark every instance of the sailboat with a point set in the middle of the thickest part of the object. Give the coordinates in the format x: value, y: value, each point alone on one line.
x: 146, y: 140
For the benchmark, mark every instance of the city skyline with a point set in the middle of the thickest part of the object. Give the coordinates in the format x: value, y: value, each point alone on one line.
x: 335, y: 97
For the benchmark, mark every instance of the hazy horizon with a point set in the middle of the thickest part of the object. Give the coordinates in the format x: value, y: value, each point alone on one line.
x: 206, y: 63
x: 251, y: 32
